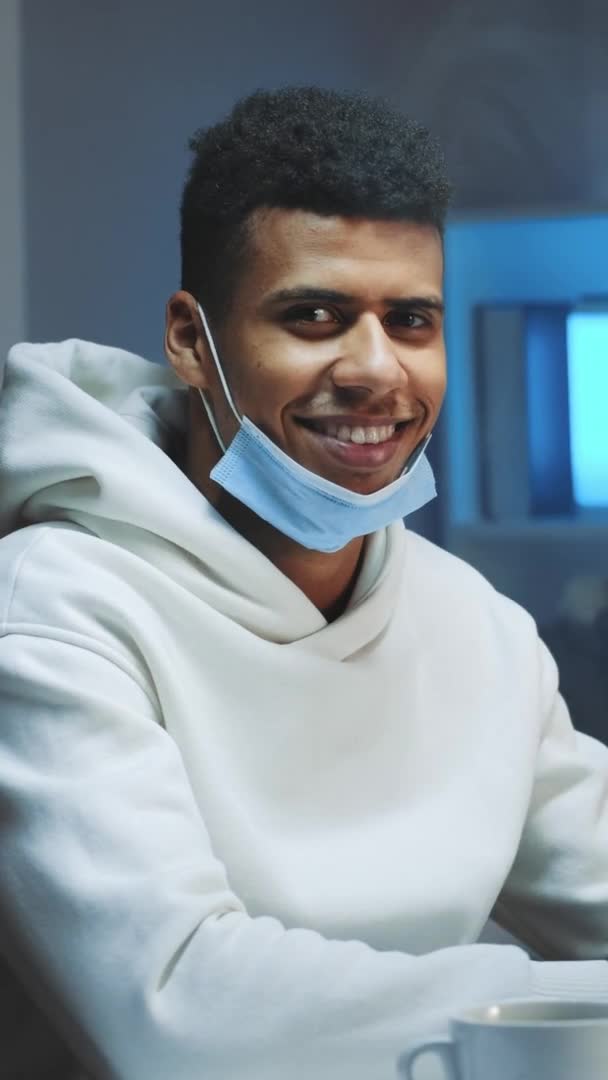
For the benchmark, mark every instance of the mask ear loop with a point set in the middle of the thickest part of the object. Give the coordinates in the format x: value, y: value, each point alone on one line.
x: 222, y: 377
x: 416, y: 454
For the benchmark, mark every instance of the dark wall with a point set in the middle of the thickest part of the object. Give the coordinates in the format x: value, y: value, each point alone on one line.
x: 518, y: 94
x: 112, y: 92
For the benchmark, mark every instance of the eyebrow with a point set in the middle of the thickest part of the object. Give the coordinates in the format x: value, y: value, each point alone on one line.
x: 433, y: 303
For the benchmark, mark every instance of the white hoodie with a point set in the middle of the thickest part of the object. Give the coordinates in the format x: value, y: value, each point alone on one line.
x: 239, y: 843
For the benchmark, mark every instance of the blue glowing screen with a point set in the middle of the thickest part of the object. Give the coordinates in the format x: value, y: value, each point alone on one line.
x: 588, y: 397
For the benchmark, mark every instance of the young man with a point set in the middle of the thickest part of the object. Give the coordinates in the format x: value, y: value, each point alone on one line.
x: 269, y: 760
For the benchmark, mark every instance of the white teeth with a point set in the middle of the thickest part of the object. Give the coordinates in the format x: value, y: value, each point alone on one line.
x: 358, y: 434
x: 361, y: 435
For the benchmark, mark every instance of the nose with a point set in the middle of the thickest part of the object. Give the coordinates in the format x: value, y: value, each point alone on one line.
x: 368, y: 359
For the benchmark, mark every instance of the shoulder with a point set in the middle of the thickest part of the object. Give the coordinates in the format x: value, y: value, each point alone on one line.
x: 59, y: 580
x: 428, y: 558
x: 454, y: 593
x: 25, y: 555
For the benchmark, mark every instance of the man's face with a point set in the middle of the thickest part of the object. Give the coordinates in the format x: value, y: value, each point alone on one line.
x: 334, y: 343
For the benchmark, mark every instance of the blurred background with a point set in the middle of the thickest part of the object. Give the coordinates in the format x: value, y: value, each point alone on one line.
x: 97, y: 101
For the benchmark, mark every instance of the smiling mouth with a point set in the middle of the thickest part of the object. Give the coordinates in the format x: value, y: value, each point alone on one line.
x: 359, y: 448
x: 356, y: 434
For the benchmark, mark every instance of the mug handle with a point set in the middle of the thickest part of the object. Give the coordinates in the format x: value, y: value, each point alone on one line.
x: 441, y: 1045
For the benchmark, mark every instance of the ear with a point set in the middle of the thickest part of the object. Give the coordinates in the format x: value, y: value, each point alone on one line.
x: 186, y: 346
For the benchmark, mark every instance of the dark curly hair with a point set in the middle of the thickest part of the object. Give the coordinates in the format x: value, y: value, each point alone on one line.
x: 307, y: 148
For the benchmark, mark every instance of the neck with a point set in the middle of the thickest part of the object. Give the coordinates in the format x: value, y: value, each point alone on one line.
x: 326, y: 578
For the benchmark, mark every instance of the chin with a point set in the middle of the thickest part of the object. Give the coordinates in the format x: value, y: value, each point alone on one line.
x: 364, y: 484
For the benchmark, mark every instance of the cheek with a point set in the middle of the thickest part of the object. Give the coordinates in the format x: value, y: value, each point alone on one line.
x: 430, y: 379
x: 261, y: 390
x: 440, y: 383
x: 276, y: 376
x: 255, y: 367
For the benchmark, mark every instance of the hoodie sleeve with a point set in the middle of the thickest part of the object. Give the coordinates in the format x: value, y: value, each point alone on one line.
x: 556, y: 896
x: 119, y: 916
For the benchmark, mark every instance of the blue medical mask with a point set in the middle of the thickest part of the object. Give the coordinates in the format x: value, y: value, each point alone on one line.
x: 314, y: 512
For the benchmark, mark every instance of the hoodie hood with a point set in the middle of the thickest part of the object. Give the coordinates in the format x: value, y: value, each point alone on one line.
x: 89, y: 435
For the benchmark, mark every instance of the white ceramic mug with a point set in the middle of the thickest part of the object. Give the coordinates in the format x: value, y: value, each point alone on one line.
x: 520, y: 1040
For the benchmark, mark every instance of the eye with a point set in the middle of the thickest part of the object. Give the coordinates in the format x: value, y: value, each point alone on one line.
x: 310, y: 314
x: 407, y: 320
x: 312, y: 321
